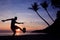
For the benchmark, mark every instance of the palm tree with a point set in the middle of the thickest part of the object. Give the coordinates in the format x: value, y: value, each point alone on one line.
x: 35, y: 8
x: 45, y: 5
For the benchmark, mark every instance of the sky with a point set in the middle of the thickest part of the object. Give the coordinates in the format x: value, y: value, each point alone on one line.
x: 11, y: 8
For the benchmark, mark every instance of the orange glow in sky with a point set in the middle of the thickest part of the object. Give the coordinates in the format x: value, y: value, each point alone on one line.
x: 28, y: 26
x: 17, y: 30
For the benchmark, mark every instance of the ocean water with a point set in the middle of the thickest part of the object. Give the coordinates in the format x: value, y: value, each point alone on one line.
x: 19, y: 34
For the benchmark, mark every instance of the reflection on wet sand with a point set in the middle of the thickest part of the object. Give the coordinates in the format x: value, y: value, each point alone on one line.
x: 20, y: 34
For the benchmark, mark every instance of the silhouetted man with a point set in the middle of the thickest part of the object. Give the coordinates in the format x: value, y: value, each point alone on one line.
x: 13, y: 26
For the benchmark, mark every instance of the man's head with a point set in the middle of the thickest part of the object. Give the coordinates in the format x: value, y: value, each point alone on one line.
x: 58, y: 14
x: 15, y: 18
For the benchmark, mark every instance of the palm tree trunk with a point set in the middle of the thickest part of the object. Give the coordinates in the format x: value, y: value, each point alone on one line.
x: 42, y: 18
x: 49, y: 15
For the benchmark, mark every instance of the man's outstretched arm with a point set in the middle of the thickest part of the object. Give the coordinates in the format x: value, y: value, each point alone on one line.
x: 6, y: 20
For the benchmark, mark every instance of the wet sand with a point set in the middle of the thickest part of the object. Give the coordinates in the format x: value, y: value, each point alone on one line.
x: 31, y: 37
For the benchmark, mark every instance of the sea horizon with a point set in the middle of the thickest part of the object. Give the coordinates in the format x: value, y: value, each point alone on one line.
x: 10, y: 33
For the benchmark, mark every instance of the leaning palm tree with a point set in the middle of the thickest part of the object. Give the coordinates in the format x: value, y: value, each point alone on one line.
x: 45, y: 5
x: 35, y: 8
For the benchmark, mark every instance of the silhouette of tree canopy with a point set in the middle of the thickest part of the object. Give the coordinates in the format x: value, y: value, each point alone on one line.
x: 35, y: 8
x: 56, y: 3
x: 45, y: 5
